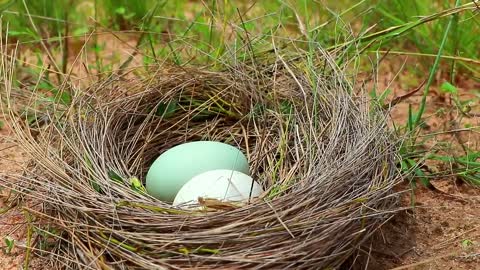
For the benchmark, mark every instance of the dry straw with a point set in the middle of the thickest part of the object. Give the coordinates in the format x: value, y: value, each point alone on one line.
x: 324, y: 156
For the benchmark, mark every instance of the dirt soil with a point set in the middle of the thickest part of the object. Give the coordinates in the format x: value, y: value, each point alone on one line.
x: 12, y: 223
x: 441, y: 232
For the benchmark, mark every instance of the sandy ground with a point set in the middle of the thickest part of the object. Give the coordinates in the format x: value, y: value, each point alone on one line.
x: 441, y: 232
x: 12, y: 223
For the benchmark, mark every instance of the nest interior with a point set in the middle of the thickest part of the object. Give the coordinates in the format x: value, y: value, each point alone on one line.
x: 324, y: 156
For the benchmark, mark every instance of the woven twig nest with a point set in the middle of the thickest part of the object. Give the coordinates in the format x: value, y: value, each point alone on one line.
x: 324, y: 158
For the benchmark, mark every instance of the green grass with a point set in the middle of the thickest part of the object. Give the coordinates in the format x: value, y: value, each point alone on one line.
x: 461, y: 42
x: 433, y: 70
x: 206, y: 26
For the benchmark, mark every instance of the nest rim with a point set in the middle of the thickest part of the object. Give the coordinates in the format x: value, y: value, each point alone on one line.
x: 262, y: 234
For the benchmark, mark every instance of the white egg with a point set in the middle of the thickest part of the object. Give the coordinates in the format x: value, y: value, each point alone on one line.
x: 224, y: 185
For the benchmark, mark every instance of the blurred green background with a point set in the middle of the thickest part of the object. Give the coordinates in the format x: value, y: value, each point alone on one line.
x: 207, y: 25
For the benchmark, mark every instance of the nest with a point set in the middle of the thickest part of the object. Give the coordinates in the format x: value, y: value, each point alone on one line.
x: 324, y: 157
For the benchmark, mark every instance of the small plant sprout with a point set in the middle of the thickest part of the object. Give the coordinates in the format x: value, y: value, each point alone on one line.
x: 467, y: 243
x: 10, y: 244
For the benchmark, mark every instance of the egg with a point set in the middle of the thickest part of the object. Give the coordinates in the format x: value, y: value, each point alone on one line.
x: 223, y: 185
x: 172, y: 169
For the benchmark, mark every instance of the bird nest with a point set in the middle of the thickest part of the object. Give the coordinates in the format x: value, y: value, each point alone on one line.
x: 323, y: 155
